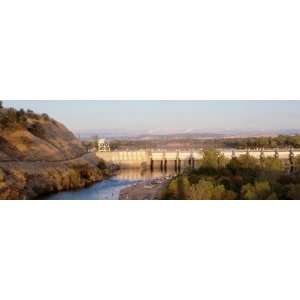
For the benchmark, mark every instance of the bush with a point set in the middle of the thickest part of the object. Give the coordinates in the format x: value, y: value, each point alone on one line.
x: 207, y: 190
x: 273, y: 164
x: 45, y: 117
x: 294, y: 191
x: 259, y: 191
x: 210, y: 159
x: 101, y: 164
x: 31, y: 114
x: 2, y: 175
x: 178, y: 188
x: 8, y: 118
x: 297, y: 162
x: 37, y: 130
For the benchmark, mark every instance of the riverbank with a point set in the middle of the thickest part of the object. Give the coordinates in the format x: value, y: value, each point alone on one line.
x: 108, y: 188
x: 147, y: 190
x: 30, y: 180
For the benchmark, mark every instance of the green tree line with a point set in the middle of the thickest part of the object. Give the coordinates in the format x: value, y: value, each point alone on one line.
x: 265, y: 142
x: 244, y: 177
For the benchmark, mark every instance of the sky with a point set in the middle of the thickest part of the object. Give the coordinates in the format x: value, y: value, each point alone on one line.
x: 169, y: 116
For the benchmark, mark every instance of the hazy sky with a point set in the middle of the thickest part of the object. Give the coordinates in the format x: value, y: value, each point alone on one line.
x: 169, y: 115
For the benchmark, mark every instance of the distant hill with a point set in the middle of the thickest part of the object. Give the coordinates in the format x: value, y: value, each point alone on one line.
x: 192, y: 134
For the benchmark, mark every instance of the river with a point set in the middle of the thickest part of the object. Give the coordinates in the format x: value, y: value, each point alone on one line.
x: 108, y: 189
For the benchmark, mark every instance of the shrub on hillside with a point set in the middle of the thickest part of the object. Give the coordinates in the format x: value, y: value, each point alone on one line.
x: 2, y: 175
x: 37, y: 130
x: 8, y: 118
x: 31, y: 114
x: 101, y: 164
x: 45, y: 117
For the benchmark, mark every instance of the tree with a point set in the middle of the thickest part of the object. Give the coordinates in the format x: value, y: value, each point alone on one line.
x: 230, y: 195
x: 248, y: 192
x: 203, y: 190
x: 297, y: 162
x: 171, y: 191
x: 263, y: 189
x: 207, y: 190
x: 212, y: 159
x: 248, y: 162
x: 272, y: 164
x: 179, y: 188
x: 222, y: 161
x: 294, y: 191
x: 218, y: 192
x: 1, y: 104
x: 259, y: 191
x: 184, y: 187
x: 246, y: 166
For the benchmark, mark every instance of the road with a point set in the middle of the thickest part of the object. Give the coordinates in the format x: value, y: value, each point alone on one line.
x: 87, y: 155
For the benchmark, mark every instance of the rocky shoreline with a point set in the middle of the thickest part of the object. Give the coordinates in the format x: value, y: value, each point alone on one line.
x: 147, y: 190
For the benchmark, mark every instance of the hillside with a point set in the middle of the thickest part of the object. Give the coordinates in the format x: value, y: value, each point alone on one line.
x: 29, y: 136
x: 39, y: 155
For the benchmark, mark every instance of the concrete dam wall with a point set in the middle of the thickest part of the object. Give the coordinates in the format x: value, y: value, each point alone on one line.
x: 180, y: 159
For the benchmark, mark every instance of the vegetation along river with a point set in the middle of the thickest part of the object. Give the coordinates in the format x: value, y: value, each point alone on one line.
x: 109, y: 188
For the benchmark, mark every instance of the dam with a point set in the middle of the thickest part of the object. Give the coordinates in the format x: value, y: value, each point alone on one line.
x: 164, y: 159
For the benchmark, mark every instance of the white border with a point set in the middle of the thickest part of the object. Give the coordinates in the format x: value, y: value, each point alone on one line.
x: 149, y: 250
x: 141, y: 50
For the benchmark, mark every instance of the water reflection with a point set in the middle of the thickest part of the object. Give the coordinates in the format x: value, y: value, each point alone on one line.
x: 109, y: 188
x: 137, y: 174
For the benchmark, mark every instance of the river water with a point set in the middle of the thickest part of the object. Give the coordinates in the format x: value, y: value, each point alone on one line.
x: 108, y: 189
